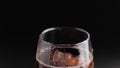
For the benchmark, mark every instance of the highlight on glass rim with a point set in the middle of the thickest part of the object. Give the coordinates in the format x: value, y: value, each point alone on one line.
x: 64, y: 47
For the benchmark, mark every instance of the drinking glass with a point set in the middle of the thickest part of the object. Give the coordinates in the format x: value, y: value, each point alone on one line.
x: 64, y: 47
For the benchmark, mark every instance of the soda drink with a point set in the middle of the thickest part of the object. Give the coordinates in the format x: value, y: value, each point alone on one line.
x: 62, y: 58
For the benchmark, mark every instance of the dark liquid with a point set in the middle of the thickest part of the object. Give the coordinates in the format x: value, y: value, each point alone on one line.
x: 62, y: 57
x: 91, y: 65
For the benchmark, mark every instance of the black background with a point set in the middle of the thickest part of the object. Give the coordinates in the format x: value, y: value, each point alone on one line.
x: 21, y: 25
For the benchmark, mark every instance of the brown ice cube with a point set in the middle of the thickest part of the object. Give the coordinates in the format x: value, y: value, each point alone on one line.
x: 56, y: 57
x: 63, y: 59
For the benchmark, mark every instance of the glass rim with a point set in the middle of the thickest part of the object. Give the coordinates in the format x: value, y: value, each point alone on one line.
x: 54, y: 28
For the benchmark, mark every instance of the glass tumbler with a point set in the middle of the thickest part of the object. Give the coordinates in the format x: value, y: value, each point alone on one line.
x: 64, y: 47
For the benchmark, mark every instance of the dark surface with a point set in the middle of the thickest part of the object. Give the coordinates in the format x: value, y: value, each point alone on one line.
x: 6, y: 6
x: 18, y: 37
x: 107, y: 4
